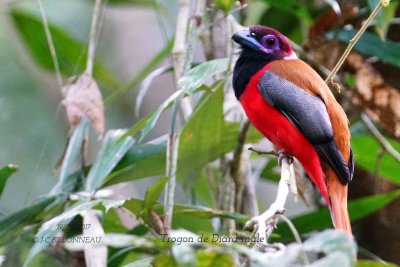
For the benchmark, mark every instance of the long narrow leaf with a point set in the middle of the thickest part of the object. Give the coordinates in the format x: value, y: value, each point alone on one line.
x: 366, y: 150
x: 71, y: 155
x: 48, y: 231
x: 110, y: 154
x: 5, y: 173
x: 12, y: 224
x: 188, y: 84
x: 69, y: 50
x: 146, y: 160
x: 141, y: 75
x: 202, y: 73
x: 145, y: 86
x: 154, y: 192
x: 371, y: 45
x: 202, y: 133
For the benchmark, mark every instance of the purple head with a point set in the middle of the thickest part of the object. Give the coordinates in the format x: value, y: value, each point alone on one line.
x: 265, y: 40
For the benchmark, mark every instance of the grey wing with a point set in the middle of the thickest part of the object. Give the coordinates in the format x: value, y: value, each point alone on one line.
x: 308, y: 113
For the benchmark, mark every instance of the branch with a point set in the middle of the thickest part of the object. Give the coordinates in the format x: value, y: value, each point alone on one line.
x: 93, y: 37
x: 179, y: 56
x: 266, y: 222
x: 237, y: 166
x: 353, y: 41
x: 182, y: 61
x: 379, y: 137
x: 260, y: 152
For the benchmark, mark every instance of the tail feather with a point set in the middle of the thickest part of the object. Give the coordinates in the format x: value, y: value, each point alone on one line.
x: 339, y: 214
x: 338, y: 202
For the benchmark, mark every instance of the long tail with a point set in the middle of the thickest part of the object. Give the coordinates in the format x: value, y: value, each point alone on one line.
x: 338, y: 202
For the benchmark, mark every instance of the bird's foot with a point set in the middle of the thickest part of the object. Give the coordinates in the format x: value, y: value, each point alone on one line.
x: 283, y: 155
x: 265, y: 223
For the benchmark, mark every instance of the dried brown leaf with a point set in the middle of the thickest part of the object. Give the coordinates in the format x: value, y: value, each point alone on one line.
x: 378, y: 99
x: 156, y: 222
x: 82, y: 98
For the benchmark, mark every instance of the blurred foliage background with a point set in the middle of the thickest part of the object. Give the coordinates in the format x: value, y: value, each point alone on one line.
x: 117, y: 185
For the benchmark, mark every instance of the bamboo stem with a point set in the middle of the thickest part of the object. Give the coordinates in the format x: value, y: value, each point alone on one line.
x: 93, y: 37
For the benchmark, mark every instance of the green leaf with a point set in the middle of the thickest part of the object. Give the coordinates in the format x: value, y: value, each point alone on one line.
x: 192, y: 223
x: 134, y: 205
x: 142, y: 3
x: 358, y: 209
x: 209, y: 258
x: 230, y: 137
x: 366, y: 150
x: 146, y: 84
x: 384, y: 17
x: 206, y: 212
x: 224, y: 5
x: 293, y: 8
x: 202, y: 133
x: 148, y: 122
x: 141, y: 263
x: 112, y: 151
x: 5, y: 173
x: 154, y: 192
x: 12, y: 224
x: 165, y: 261
x: 370, y: 45
x: 145, y: 160
x: 270, y: 170
x: 140, y: 161
x: 193, y: 218
x: 71, y: 54
x: 66, y: 180
x: 141, y: 75
x: 188, y: 84
x: 112, y: 222
x: 369, y: 263
x: 48, y: 231
x: 200, y: 74
x: 203, y: 190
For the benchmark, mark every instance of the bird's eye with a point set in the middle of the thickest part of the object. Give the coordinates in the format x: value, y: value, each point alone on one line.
x: 270, y: 42
x: 253, y: 34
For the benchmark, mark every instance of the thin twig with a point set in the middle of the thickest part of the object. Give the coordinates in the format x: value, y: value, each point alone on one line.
x: 352, y: 42
x: 179, y: 56
x: 379, y: 137
x: 295, y: 233
x: 172, y: 158
x: 378, y: 160
x: 51, y: 45
x: 260, y: 152
x: 369, y: 254
x: 237, y: 166
x: 93, y: 37
x: 296, y: 236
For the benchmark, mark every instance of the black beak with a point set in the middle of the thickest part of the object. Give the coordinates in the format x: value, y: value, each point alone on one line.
x: 245, y: 39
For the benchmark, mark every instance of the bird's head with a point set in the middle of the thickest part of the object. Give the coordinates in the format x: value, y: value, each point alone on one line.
x: 265, y: 41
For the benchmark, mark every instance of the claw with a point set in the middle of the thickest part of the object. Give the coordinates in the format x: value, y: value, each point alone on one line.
x: 280, y: 212
x: 283, y: 155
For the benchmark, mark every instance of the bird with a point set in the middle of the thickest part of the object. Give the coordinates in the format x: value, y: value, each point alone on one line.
x: 290, y: 104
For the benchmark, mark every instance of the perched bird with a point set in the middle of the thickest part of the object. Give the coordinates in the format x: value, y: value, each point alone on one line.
x: 290, y: 104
